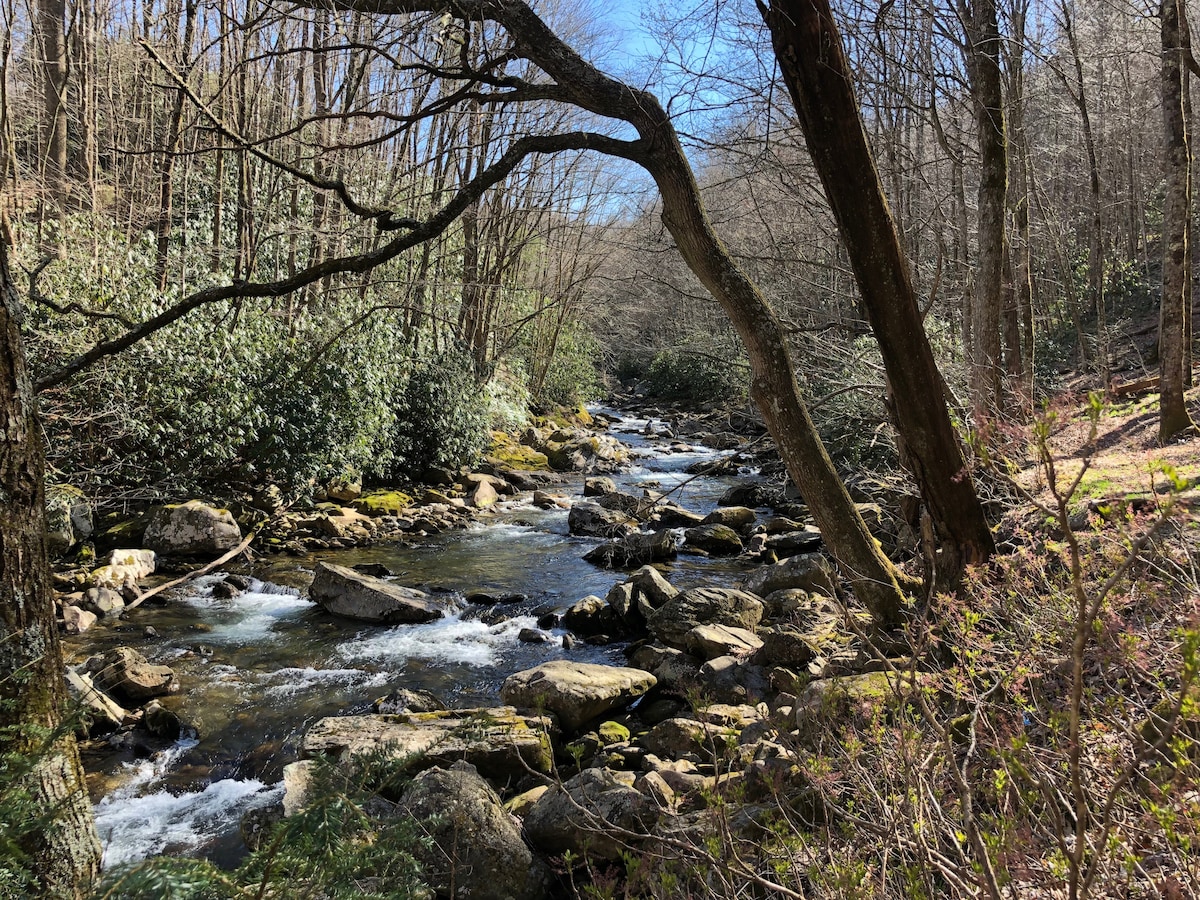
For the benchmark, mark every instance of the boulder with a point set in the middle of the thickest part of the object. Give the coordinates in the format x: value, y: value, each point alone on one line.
x: 192, y: 529
x: 636, y: 508
x: 163, y: 723
x: 739, y: 518
x: 791, y: 543
x: 703, y: 606
x: 783, y: 646
x: 668, y: 515
x: 581, y: 814
x: 711, y: 641
x: 77, y: 620
x: 129, y: 676
x: 751, y: 494
x: 497, y: 741
x: 575, y: 692
x: 592, y: 520
x: 344, y: 490
x: 673, y: 668
x: 103, y: 602
x: 344, y: 592
x: 598, y: 486
x: 138, y: 563
x: 476, y: 852
x: 101, y: 712
x: 591, y: 615
x: 68, y: 518
x: 717, y: 540
x: 636, y: 548
x: 578, y: 451
x: 807, y: 571
x: 297, y: 785
x: 382, y: 503
x: 678, y: 737
x: 484, y: 495
x: 403, y: 700
x: 543, y: 499
x: 650, y: 584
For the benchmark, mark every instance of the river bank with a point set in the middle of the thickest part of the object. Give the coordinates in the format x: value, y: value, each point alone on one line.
x: 255, y: 669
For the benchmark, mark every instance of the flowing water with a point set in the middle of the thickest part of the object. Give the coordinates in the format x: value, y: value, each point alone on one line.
x: 258, y: 669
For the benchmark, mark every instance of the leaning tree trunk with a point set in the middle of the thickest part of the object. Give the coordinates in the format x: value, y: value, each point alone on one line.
x: 817, y: 73
x: 1173, y: 413
x: 63, y: 850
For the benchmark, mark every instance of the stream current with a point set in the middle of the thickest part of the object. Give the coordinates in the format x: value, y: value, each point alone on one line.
x: 258, y: 669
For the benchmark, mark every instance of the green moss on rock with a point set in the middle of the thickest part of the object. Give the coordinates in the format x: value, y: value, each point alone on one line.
x: 382, y: 503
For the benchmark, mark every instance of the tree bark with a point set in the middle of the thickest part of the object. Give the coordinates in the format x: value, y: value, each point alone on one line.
x: 51, y: 22
x: 1173, y: 413
x: 64, y: 852
x: 813, y: 64
x: 983, y: 67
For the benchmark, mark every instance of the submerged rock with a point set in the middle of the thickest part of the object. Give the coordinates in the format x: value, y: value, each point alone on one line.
x: 575, y: 692
x: 350, y: 594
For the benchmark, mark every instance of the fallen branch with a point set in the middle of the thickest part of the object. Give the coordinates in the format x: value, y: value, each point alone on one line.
x: 196, y: 573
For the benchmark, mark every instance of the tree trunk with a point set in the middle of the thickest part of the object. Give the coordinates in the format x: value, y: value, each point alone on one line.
x: 63, y: 852
x: 983, y: 67
x: 812, y: 62
x: 51, y: 21
x: 1173, y: 413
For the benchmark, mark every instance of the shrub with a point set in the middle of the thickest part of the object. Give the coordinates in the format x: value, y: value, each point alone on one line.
x: 697, y: 376
x: 441, y: 418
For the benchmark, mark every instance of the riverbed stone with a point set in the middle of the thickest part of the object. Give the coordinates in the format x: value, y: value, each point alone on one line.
x: 192, y: 529
x: 651, y: 586
x: 129, y: 676
x: 591, y: 615
x: 477, y: 852
x: 717, y: 540
x: 101, y: 712
x: 806, y: 539
x: 77, y: 620
x: 739, y: 518
x: 344, y: 592
x: 590, y: 519
x: 710, y: 641
x: 103, y: 602
x: 68, y: 518
x: 497, y: 741
x: 575, y: 692
x: 699, y: 606
x: 806, y: 571
x: 598, y: 486
x: 670, y: 515
x: 679, y: 737
x: 581, y: 814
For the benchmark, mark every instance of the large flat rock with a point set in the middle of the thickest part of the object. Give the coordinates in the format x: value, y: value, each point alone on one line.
x: 353, y: 595
x: 497, y: 741
x: 575, y: 692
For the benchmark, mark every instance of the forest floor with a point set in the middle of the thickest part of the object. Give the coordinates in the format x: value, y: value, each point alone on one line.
x: 1120, y: 448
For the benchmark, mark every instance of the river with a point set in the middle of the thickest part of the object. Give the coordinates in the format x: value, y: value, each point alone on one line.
x: 258, y: 669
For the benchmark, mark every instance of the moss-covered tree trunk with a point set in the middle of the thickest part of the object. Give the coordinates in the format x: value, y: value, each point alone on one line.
x: 63, y: 852
x: 817, y: 73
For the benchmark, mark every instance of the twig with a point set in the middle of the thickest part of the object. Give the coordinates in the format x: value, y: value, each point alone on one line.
x: 203, y: 570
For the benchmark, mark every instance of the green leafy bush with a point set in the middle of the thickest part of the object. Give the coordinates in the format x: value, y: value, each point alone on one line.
x: 441, y: 418
x: 697, y: 376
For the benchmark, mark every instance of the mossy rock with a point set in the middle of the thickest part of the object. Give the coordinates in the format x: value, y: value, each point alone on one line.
x: 382, y: 503
x: 506, y: 453
x: 613, y: 733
